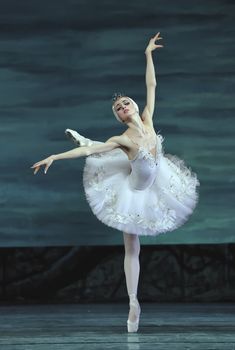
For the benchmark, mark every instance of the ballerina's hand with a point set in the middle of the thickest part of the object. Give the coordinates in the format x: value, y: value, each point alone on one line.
x: 47, y: 161
x: 151, y: 45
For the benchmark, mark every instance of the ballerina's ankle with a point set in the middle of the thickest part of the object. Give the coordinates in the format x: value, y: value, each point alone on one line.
x: 133, y: 301
x: 133, y: 297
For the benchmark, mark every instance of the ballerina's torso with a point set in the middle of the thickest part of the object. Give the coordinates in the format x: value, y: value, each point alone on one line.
x: 142, y: 154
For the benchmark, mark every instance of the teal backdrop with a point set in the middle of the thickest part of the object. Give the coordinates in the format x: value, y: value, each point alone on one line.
x: 60, y: 63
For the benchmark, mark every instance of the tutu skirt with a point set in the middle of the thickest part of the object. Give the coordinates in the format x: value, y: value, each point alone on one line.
x: 162, y: 207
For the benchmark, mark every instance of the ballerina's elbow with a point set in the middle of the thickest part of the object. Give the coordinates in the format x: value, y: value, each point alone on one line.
x: 91, y: 150
x: 88, y: 151
x: 151, y: 84
x: 105, y: 147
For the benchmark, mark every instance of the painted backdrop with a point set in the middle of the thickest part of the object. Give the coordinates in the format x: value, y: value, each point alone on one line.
x: 60, y: 63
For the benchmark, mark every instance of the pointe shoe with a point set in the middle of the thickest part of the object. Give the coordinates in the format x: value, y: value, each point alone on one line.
x: 133, y: 326
x: 78, y: 139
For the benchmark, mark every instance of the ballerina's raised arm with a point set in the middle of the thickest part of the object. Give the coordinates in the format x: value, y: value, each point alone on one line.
x: 150, y: 80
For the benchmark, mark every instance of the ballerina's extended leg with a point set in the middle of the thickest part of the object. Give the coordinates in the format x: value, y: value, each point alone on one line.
x: 80, y: 140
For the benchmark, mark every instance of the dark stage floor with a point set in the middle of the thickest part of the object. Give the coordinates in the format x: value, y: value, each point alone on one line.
x: 103, y: 326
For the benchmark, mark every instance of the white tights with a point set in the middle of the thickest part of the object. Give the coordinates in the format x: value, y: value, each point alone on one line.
x: 132, y: 268
x: 131, y: 262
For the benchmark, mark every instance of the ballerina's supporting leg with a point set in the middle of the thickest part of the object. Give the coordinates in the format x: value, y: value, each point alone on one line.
x: 132, y: 270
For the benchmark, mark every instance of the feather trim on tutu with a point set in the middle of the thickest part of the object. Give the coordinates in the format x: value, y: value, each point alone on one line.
x: 162, y: 207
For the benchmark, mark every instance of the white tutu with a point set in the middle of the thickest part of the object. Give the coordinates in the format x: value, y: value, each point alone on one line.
x: 164, y: 206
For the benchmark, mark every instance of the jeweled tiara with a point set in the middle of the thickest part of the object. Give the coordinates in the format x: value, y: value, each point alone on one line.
x: 117, y: 95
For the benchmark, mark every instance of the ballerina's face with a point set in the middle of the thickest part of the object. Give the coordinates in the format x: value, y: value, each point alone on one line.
x: 124, y: 108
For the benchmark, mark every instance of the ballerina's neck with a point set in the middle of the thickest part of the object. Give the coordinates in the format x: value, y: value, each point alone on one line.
x: 140, y: 132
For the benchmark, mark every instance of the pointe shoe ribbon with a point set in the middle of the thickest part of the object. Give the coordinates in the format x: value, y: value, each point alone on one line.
x: 78, y: 139
x: 133, y: 326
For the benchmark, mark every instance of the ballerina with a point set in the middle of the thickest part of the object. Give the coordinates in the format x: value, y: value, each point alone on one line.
x: 129, y: 181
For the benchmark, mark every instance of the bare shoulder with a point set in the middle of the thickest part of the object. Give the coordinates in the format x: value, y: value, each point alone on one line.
x: 120, y: 140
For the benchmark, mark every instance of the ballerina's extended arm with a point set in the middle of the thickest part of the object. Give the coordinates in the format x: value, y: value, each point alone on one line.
x: 109, y: 145
x: 150, y: 79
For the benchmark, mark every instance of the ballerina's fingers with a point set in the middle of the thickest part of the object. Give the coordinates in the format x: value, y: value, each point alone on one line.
x: 38, y: 164
x: 47, y: 167
x: 36, y: 170
x: 155, y: 39
x: 152, y: 42
x: 36, y: 167
x: 156, y: 36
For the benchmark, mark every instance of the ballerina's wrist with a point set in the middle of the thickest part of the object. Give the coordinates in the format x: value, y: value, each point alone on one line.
x: 148, y: 52
x: 54, y: 157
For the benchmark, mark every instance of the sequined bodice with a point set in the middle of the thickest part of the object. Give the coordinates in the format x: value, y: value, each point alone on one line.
x: 143, y: 168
